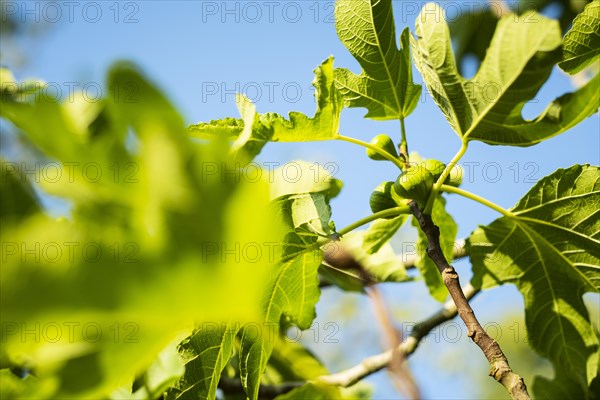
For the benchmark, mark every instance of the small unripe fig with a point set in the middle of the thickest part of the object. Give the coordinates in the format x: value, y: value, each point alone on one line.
x: 381, y: 198
x: 415, y: 184
x: 383, y: 142
x: 455, y: 177
x: 435, y: 167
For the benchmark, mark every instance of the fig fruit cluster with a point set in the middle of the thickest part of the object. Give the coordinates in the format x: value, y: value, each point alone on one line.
x: 413, y: 184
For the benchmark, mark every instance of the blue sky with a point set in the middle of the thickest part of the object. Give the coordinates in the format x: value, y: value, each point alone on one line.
x: 201, y: 52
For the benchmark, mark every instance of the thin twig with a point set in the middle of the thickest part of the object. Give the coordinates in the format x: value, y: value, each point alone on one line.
x: 499, y: 367
x: 372, y: 364
x: 397, y: 368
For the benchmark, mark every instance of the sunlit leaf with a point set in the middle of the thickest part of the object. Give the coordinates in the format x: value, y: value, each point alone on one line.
x: 380, y: 232
x: 550, y: 250
x: 313, y: 392
x: 206, y: 353
x: 489, y: 106
x: 385, y: 86
x: 298, y: 128
x: 581, y: 45
x: 294, y: 291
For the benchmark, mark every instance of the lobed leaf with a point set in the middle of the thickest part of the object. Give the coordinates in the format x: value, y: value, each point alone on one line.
x: 298, y: 128
x: 385, y: 86
x: 206, y: 353
x: 550, y: 250
x: 294, y: 291
x: 581, y: 45
x: 519, y: 60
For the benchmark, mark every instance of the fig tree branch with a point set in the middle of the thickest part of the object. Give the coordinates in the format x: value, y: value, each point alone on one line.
x: 499, y: 367
x: 409, y: 260
x: 375, y: 363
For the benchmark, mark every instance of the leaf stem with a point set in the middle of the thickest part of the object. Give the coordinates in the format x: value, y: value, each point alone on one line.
x: 390, y: 212
x: 372, y: 147
x: 479, y: 199
x: 403, y: 149
x: 436, y: 187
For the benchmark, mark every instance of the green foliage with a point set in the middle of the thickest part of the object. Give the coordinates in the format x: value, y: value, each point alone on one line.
x: 472, y: 31
x: 206, y: 354
x: 311, y: 391
x: 581, y: 45
x: 293, y: 291
x: 381, y: 266
x: 519, y: 60
x: 550, y: 251
x: 181, y: 316
x: 149, y: 288
x: 381, y: 231
x: 299, y: 128
x: 385, y: 86
x: 22, y: 202
x: 304, y: 207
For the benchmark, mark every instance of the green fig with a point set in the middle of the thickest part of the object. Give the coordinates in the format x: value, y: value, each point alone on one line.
x: 381, y: 198
x: 415, y: 184
x: 383, y: 142
x: 455, y: 177
x: 435, y: 167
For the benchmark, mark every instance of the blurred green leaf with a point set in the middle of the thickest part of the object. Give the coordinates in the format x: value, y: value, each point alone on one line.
x: 561, y: 388
x: 313, y: 392
x: 383, y: 266
x: 298, y: 177
x: 164, y: 371
x: 18, y: 199
x: 294, y: 362
x: 147, y: 245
